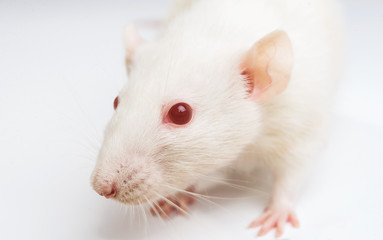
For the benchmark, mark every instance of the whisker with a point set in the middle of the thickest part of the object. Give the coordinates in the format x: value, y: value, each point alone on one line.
x: 173, y: 204
x: 205, y: 196
x: 131, y: 216
x: 235, y: 186
x: 151, y: 205
x: 198, y: 196
x: 158, y: 214
x: 144, y: 217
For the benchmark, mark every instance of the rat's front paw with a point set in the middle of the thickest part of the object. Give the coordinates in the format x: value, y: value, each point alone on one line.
x: 178, y: 204
x: 275, y: 217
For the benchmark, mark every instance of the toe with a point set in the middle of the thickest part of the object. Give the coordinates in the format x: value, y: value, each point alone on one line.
x: 182, y: 207
x: 178, y: 204
x: 293, y: 220
x: 281, y: 225
x: 268, y: 225
x: 190, y: 200
x: 166, y: 210
x: 153, y: 212
x: 260, y: 220
x: 275, y: 218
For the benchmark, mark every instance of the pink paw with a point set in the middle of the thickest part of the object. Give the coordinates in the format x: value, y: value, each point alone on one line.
x: 178, y: 204
x: 277, y: 218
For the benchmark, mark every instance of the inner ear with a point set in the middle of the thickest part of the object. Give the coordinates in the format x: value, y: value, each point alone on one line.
x: 132, y: 40
x: 267, y: 66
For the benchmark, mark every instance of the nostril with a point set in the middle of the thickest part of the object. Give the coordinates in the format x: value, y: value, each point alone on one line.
x: 109, y: 191
x: 111, y: 194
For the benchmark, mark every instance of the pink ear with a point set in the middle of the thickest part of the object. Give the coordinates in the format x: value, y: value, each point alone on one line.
x: 131, y: 39
x: 268, y: 65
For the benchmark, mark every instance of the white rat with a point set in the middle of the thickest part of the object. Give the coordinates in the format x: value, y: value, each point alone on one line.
x: 227, y: 83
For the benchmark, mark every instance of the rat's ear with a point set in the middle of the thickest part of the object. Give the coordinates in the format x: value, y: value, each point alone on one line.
x: 132, y: 40
x: 268, y: 65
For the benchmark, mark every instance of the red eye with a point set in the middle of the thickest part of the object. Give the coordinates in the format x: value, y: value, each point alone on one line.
x: 115, y: 103
x: 180, y: 114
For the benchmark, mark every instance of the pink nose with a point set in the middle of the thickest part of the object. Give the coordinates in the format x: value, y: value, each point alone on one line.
x: 108, y: 191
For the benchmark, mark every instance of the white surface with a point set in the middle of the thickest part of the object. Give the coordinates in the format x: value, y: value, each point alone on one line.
x: 61, y: 65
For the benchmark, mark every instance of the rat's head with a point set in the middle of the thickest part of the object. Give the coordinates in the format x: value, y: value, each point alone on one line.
x: 185, y: 113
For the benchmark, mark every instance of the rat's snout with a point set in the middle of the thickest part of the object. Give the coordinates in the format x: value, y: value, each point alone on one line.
x: 108, y: 190
x: 104, y: 187
x: 130, y: 182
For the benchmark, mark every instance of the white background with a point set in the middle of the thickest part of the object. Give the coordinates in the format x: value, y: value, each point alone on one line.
x: 61, y: 65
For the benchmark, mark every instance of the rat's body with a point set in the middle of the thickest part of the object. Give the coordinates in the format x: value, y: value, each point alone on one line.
x: 264, y: 106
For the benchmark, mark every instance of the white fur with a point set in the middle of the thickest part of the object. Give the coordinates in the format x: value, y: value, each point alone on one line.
x: 196, y: 60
